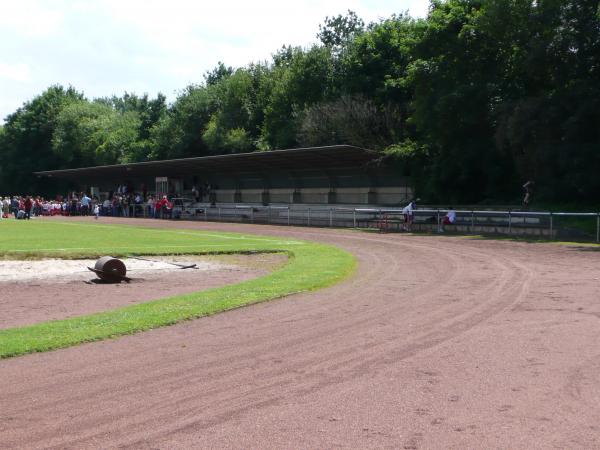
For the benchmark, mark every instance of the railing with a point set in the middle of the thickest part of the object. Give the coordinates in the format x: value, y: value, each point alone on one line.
x: 512, y: 222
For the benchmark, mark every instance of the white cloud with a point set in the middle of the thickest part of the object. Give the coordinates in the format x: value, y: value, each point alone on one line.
x: 30, y: 18
x: 19, y: 72
x: 104, y: 47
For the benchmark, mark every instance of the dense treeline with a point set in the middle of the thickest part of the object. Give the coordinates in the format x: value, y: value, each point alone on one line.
x: 472, y: 101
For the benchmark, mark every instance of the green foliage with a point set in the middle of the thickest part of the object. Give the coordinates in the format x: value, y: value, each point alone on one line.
x: 497, y: 91
x: 178, y: 134
x: 218, y: 74
x: 226, y: 129
x: 337, y: 32
x: 407, y: 151
x: 350, y: 119
x: 26, y: 141
x: 94, y: 134
x: 377, y: 61
x: 302, y: 78
x: 410, y: 159
x: 237, y: 140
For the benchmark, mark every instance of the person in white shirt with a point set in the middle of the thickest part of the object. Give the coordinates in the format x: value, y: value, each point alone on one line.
x: 106, y: 205
x: 449, y: 219
x: 150, y: 207
x: 409, y: 212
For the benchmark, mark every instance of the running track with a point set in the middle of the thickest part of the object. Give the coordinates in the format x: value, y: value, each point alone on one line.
x: 436, y: 342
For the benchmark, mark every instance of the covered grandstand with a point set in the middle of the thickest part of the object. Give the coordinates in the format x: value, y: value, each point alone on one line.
x: 339, y: 174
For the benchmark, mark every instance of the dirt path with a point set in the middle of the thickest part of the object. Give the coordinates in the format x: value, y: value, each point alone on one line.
x: 437, y: 342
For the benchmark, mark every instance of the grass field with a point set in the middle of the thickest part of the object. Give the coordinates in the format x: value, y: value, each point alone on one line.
x: 311, y: 266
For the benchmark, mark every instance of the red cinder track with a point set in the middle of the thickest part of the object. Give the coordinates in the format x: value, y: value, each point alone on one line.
x: 436, y: 342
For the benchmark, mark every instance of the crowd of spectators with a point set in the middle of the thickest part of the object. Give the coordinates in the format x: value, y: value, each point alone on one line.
x: 119, y: 204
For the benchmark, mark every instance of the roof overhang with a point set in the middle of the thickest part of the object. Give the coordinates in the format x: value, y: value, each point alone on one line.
x: 313, y: 158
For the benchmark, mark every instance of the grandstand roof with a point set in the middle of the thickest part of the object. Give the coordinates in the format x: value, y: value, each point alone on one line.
x: 312, y: 158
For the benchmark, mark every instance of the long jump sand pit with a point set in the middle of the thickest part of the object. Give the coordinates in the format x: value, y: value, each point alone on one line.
x: 39, y: 290
x: 435, y: 343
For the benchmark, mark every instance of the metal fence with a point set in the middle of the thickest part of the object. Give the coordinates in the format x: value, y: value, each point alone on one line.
x: 551, y: 225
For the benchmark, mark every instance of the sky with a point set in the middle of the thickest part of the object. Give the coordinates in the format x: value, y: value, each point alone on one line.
x: 109, y: 47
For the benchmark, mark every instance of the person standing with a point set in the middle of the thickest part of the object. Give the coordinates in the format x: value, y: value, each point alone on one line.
x: 6, y: 207
x: 125, y: 205
x: 106, y: 207
x: 409, y: 211
x: 74, y: 204
x: 27, y: 204
x: 14, y: 206
x: 150, y: 207
x: 85, y: 205
x: 528, y: 187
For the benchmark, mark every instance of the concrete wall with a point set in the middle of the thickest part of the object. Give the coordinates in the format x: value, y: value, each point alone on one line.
x: 388, y: 196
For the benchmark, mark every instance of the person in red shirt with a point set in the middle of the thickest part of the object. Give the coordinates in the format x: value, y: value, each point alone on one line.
x: 27, y: 204
x: 163, y: 207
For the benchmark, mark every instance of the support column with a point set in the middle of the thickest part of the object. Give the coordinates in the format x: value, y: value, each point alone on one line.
x: 297, y: 196
x: 331, y: 197
x: 372, y: 196
x: 265, y: 197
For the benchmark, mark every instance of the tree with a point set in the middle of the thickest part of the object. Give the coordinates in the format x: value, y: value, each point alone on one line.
x: 178, y: 134
x: 354, y: 120
x: 548, y: 124
x: 304, y: 78
x: 221, y: 72
x: 26, y: 146
x: 378, y: 61
x: 454, y: 77
x: 472, y: 100
x: 149, y: 112
x: 93, y: 133
x: 337, y: 32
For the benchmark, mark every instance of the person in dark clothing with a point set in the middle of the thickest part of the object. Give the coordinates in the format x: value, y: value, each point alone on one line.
x: 528, y: 188
x: 27, y: 204
x: 14, y: 206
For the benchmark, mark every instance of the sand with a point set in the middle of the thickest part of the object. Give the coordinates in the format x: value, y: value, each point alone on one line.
x: 67, y: 270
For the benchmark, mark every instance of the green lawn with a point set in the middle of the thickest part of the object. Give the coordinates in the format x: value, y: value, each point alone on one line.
x: 311, y: 266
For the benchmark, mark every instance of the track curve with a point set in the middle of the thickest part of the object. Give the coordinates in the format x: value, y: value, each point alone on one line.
x: 436, y: 342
